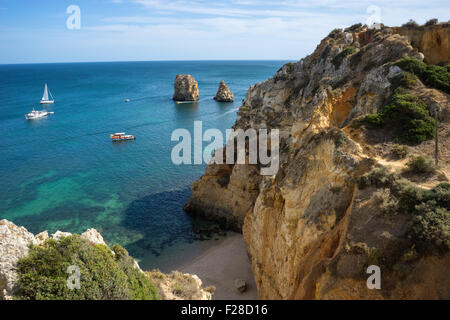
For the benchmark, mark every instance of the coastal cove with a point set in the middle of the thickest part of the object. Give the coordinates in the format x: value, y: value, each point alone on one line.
x: 64, y: 173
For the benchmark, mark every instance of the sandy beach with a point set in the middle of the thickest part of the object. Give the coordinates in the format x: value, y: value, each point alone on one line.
x: 221, y: 265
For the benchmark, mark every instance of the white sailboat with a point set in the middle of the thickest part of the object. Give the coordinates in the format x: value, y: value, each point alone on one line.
x: 45, y: 98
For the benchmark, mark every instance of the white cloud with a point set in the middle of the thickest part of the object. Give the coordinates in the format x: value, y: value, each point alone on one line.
x: 246, y: 28
x: 200, y: 29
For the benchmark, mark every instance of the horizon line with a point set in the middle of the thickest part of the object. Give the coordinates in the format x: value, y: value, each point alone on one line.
x: 157, y: 60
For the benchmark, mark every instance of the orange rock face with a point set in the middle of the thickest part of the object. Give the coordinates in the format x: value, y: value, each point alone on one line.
x: 311, y: 230
x: 432, y: 41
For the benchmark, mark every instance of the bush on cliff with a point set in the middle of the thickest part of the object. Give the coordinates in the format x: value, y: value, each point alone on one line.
x: 421, y: 165
x: 431, y: 22
x: 337, y: 60
x: 139, y: 284
x: 103, y: 275
x: 428, y: 210
x: 408, y: 116
x: 434, y: 76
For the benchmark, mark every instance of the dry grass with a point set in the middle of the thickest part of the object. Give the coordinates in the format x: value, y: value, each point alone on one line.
x: 178, y: 286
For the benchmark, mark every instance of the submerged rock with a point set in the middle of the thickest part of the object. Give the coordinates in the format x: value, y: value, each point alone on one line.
x: 186, y: 88
x: 223, y: 93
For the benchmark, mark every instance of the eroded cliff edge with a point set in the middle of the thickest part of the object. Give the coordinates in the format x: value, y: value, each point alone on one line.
x: 344, y: 197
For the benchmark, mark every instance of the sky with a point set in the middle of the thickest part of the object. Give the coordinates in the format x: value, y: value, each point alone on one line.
x: 36, y: 31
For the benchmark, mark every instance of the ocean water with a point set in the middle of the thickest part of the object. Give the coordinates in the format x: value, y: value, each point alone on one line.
x: 64, y: 173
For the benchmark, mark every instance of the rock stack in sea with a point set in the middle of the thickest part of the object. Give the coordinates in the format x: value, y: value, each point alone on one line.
x: 223, y: 93
x: 186, y: 88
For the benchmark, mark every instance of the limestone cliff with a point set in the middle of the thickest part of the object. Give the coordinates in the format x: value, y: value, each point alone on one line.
x: 432, y: 41
x: 311, y: 229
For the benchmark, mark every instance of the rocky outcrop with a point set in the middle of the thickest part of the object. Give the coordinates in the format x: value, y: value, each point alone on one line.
x: 221, y: 195
x: 180, y: 286
x: 223, y: 93
x: 432, y: 41
x: 15, y: 242
x: 306, y: 224
x: 186, y: 88
x: 58, y: 235
x: 42, y: 237
x: 93, y: 236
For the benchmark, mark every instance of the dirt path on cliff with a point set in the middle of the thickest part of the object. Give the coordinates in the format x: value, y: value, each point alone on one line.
x: 221, y: 265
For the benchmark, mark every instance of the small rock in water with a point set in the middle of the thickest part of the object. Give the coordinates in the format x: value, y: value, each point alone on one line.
x: 240, y: 285
x: 223, y: 93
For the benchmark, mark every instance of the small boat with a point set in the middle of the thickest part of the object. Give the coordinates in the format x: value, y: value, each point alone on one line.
x: 121, y: 136
x: 35, y: 114
x: 127, y: 100
x: 45, y: 97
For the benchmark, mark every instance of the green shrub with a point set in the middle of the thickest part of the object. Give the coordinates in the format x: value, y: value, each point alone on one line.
x: 388, y: 203
x: 405, y: 80
x: 103, y: 276
x: 369, y: 66
x: 139, y: 284
x: 428, y: 210
x: 340, y: 138
x: 353, y: 28
x: 290, y: 67
x: 379, y: 177
x: 434, y: 76
x: 183, y: 286
x: 334, y: 33
x: 410, y: 23
x: 375, y: 120
x: 432, y: 225
x: 399, y: 151
x: 408, y: 116
x: 431, y: 22
x: 337, y: 60
x: 421, y: 164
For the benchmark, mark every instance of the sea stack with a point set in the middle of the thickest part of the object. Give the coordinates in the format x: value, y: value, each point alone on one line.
x: 223, y: 93
x: 186, y: 88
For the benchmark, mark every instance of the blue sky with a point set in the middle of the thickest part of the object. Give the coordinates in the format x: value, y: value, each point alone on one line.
x: 126, y: 30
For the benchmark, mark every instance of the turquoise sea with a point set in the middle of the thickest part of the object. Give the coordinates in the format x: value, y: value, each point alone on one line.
x: 64, y: 173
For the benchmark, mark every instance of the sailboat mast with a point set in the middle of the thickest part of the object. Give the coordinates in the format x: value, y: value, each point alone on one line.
x: 45, y: 96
